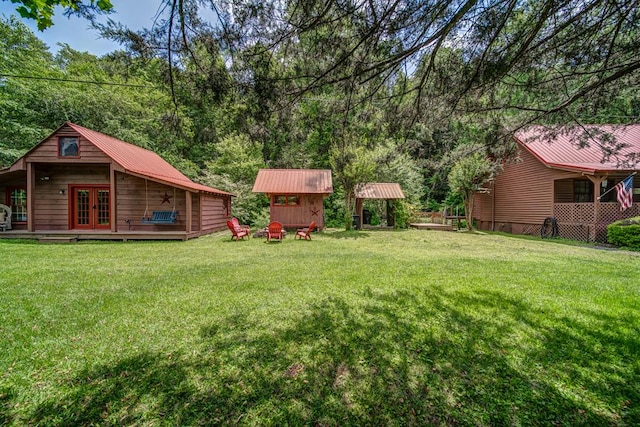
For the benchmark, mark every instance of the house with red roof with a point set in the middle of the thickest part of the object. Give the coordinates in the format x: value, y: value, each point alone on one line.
x: 296, y: 195
x: 566, y: 178
x: 81, y: 184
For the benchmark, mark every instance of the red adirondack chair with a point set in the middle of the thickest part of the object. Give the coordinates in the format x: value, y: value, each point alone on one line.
x: 274, y: 231
x: 305, y: 233
x: 237, y: 232
x: 237, y: 224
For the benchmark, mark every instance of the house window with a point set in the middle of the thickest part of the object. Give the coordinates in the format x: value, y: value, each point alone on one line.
x: 281, y: 200
x: 68, y: 146
x: 293, y: 200
x: 17, y: 201
x: 611, y: 195
x: 226, y: 202
x: 582, y: 191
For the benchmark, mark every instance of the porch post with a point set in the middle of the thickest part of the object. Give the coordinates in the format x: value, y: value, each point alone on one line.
x: 112, y: 199
x: 593, y: 230
x: 189, y: 210
x: 359, y: 209
x: 31, y: 180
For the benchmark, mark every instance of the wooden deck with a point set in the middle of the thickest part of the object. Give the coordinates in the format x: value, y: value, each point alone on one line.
x: 67, y: 236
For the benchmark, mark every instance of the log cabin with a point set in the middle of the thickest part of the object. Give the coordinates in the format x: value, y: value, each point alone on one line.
x: 556, y: 178
x: 81, y: 184
x: 296, y: 195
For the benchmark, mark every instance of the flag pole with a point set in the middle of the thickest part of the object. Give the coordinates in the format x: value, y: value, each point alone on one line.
x: 613, y: 188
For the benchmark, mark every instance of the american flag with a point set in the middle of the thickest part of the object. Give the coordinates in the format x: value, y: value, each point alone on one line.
x: 625, y: 192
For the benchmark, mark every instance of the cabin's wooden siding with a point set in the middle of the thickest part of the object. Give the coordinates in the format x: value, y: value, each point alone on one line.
x: 47, y: 151
x: 301, y: 215
x: 51, y: 209
x: 134, y: 197
x: 195, y: 212
x: 524, y: 195
x: 213, y: 213
x: 483, y: 209
x: 524, y: 191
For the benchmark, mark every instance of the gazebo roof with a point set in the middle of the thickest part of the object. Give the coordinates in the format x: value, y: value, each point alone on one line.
x: 379, y: 190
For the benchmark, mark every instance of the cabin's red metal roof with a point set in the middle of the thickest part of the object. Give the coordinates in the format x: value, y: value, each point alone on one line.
x: 560, y: 150
x: 293, y: 181
x: 379, y: 190
x: 139, y: 161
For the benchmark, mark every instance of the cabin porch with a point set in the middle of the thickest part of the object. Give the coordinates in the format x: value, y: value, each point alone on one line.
x: 588, y: 221
x: 73, y: 235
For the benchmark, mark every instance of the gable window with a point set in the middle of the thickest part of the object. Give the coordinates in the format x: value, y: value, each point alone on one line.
x: 17, y: 201
x: 282, y: 200
x: 68, y: 146
x: 582, y: 191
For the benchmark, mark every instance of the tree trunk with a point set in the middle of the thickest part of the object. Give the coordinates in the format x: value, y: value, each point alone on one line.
x: 468, y: 209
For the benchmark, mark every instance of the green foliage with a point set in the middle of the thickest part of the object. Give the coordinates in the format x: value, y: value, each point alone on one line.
x: 397, y: 166
x: 137, y: 112
x: 469, y: 174
x: 41, y: 11
x: 351, y: 164
x: 237, y: 157
x: 625, y: 233
x: 403, y: 212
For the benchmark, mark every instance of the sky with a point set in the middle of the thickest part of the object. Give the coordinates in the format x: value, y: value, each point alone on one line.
x: 75, y: 32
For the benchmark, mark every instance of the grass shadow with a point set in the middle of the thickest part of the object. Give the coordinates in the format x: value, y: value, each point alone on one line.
x: 7, y: 395
x: 403, y: 358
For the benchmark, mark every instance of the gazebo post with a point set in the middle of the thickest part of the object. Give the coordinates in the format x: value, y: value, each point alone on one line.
x: 597, y: 182
x: 359, y: 208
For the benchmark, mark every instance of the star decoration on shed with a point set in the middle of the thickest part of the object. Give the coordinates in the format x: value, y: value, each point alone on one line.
x: 166, y: 198
x: 314, y: 211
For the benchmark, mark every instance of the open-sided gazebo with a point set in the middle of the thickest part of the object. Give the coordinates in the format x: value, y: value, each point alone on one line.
x: 377, y: 191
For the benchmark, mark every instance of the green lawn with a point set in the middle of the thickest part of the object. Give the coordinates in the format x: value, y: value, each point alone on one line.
x: 363, y: 328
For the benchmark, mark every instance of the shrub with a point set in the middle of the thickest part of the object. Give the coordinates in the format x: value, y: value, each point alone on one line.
x: 403, y: 213
x: 625, y: 233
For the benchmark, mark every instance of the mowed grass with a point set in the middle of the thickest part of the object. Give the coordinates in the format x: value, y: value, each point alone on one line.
x: 363, y: 328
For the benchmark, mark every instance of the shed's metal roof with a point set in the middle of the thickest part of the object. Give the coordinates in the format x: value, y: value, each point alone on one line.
x: 293, y: 181
x: 559, y: 149
x: 139, y: 161
x: 379, y: 190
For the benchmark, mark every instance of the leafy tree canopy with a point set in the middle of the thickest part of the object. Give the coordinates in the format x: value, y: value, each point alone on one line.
x: 42, y: 10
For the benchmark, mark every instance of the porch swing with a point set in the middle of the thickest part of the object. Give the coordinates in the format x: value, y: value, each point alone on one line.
x: 159, y: 217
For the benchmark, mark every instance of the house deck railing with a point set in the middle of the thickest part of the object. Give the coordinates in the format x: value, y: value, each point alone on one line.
x: 578, y: 220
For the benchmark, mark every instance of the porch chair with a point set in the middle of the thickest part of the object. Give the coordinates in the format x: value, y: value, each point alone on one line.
x: 5, y: 217
x: 274, y: 231
x: 305, y: 233
x: 237, y: 224
x: 237, y: 232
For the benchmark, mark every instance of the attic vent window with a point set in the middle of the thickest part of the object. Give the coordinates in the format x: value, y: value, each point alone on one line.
x: 68, y: 146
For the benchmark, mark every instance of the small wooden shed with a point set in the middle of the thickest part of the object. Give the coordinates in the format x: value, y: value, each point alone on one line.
x: 377, y: 191
x: 554, y: 178
x: 296, y: 195
x: 87, y: 185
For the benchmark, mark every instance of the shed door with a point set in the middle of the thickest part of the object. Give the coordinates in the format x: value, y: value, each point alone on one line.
x: 90, y: 208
